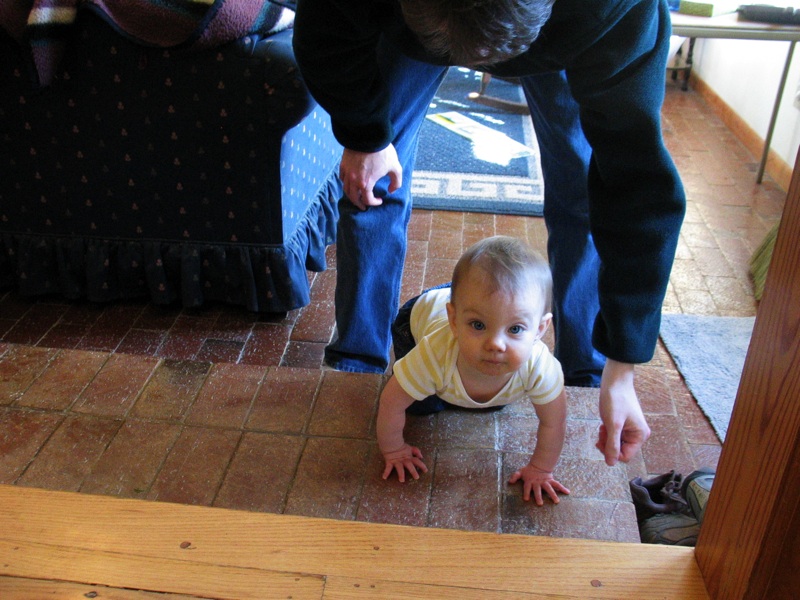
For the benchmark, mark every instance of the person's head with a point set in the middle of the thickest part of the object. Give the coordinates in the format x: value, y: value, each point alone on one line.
x: 476, y: 33
x: 499, y: 304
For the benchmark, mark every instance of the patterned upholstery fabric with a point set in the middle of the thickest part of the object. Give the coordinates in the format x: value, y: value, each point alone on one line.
x: 190, y: 178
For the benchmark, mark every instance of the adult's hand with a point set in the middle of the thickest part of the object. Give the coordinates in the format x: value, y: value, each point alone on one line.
x: 624, y: 427
x: 360, y: 171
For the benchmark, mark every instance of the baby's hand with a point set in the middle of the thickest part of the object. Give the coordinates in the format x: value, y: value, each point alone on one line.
x: 536, y: 480
x: 408, y: 458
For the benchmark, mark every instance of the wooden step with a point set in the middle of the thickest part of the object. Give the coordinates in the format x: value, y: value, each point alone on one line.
x: 70, y: 545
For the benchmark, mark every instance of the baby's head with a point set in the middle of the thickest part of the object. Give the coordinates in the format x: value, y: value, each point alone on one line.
x: 499, y: 305
x: 506, y: 265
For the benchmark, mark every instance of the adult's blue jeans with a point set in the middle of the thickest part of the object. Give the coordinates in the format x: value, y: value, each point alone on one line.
x: 565, y: 155
x: 371, y: 244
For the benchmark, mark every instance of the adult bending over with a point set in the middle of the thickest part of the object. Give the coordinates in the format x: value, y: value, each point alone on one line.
x: 593, y: 75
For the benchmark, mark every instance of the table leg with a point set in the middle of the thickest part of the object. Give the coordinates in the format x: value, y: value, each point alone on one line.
x: 683, y: 64
x: 688, y: 66
x: 774, y: 117
x: 481, y: 97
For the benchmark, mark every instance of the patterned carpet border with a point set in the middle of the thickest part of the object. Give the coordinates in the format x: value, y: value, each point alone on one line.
x: 475, y: 192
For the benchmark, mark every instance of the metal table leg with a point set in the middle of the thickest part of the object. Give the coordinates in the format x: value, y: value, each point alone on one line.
x: 774, y: 117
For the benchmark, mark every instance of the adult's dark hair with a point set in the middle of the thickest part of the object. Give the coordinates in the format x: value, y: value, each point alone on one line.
x: 476, y: 32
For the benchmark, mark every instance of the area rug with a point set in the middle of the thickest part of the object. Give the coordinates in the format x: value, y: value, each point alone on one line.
x: 477, y: 173
x: 710, y: 354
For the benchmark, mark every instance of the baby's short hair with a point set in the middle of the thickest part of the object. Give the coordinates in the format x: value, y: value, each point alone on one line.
x: 510, y: 266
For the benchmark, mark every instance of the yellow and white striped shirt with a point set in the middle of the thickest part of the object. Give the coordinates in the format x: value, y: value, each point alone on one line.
x: 430, y: 367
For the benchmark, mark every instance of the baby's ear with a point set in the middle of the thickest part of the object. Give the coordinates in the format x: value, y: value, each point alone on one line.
x: 547, y: 318
x: 451, y: 317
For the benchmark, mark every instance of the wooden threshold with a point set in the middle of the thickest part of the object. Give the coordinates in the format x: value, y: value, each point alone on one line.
x: 70, y: 545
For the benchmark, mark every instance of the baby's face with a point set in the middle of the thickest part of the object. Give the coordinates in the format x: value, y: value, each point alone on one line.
x: 496, y: 331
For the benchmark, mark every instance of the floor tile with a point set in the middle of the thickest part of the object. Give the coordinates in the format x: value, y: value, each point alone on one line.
x: 142, y: 341
x: 466, y: 429
x: 34, y: 324
x: 329, y: 478
x: 22, y: 434
x: 64, y: 335
x: 585, y: 478
x: 346, y: 405
x: 193, y: 471
x: 261, y: 472
x: 19, y: 368
x: 316, y: 323
x: 226, y: 396
x: 571, y: 518
x: 465, y: 490
x: 303, y: 355
x: 667, y: 447
x: 389, y: 500
x: 60, y: 384
x: 129, y: 465
x: 116, y: 387
x: 266, y: 344
x: 182, y: 345
x: 70, y: 453
x: 171, y: 390
x: 213, y: 350
x: 285, y: 399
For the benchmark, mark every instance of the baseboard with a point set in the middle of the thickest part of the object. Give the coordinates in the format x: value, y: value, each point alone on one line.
x: 777, y: 168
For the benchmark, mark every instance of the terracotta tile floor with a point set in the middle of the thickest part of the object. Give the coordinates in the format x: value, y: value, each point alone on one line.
x: 221, y: 407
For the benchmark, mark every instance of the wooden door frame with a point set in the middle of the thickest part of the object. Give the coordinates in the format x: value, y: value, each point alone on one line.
x: 748, y: 546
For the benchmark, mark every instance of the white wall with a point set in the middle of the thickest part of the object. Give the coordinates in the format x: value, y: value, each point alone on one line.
x: 745, y: 74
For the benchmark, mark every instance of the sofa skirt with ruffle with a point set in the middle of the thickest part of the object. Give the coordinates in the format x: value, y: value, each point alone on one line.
x: 261, y: 278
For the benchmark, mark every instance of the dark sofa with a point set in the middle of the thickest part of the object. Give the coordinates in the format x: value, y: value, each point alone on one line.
x: 182, y: 177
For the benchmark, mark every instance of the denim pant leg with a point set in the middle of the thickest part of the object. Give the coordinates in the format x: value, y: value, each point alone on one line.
x: 572, y: 254
x: 371, y: 244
